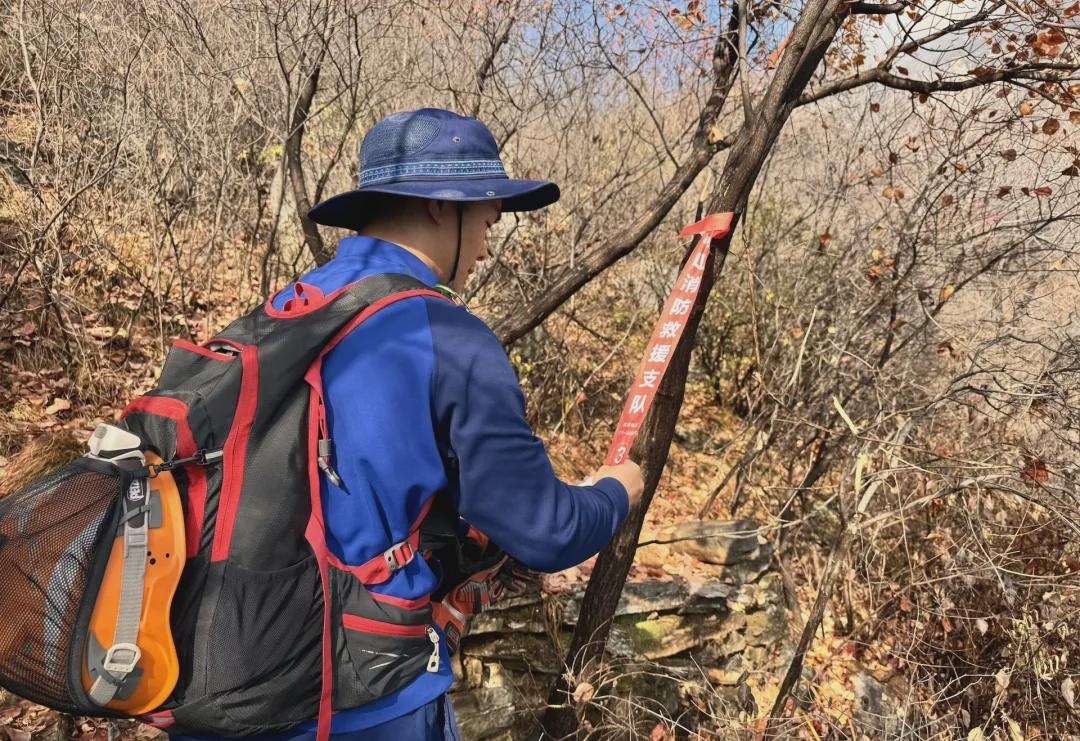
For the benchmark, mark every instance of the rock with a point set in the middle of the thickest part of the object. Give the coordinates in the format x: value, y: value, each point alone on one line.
x: 472, y: 670
x: 523, y: 651
x: 874, y: 714
x: 722, y: 678
x: 723, y: 542
x: 638, y: 598
x: 527, y: 618
x: 660, y: 595
x: 655, y: 595
x: 680, y: 689
x: 61, y: 730
x: 693, y: 439
x: 709, y: 597
x: 879, y: 712
x: 663, y: 636
x: 485, y: 712
x: 730, y: 614
x: 644, y: 686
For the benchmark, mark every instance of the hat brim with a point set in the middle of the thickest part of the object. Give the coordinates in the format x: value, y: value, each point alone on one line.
x: 348, y: 209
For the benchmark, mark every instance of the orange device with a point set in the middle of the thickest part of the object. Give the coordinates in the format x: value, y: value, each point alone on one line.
x: 165, y: 558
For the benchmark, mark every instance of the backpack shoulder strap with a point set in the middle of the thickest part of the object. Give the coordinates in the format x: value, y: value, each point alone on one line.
x: 376, y: 287
x: 377, y: 292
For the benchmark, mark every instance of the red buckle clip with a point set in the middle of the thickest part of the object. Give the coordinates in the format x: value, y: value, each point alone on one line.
x: 398, y: 555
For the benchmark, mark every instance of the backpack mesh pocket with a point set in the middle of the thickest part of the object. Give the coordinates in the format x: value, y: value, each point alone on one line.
x: 51, y: 559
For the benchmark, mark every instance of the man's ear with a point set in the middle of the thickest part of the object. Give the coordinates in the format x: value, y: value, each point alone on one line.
x: 437, y: 211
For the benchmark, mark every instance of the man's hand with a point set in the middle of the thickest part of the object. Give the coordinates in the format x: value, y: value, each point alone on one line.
x: 628, y: 474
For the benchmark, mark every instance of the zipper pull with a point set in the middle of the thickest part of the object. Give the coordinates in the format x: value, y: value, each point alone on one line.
x: 326, y: 450
x: 433, y: 660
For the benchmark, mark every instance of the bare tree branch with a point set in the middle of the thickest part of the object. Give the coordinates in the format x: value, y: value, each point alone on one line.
x: 1045, y: 72
x: 877, y: 8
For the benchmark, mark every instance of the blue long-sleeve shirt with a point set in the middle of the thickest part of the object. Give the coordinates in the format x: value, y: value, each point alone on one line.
x: 421, y: 399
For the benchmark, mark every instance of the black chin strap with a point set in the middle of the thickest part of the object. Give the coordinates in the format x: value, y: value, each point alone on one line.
x: 457, y: 252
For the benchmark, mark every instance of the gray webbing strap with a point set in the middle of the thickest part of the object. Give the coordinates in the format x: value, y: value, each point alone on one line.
x: 122, y: 658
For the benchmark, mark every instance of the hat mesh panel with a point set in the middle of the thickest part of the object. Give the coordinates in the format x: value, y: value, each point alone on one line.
x: 389, y: 140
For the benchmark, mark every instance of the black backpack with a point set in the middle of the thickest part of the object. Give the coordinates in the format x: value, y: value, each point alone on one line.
x: 269, y: 630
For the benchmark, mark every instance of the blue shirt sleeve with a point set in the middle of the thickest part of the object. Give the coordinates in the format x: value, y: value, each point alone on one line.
x: 506, y: 485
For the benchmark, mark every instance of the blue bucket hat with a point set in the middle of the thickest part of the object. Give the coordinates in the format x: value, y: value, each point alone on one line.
x: 432, y: 153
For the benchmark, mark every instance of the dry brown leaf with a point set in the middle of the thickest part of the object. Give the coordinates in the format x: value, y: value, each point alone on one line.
x: 101, y: 333
x: 685, y: 21
x: 58, y: 405
x: 1015, y: 734
x: 1027, y: 108
x: 584, y: 692
x: 1001, y: 679
x: 25, y: 330
x: 1035, y: 471
x: 1051, y: 126
x: 892, y: 193
x: 1049, y: 43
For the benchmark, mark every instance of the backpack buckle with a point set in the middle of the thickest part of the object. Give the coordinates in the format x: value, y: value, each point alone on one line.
x: 121, y: 659
x: 398, y: 556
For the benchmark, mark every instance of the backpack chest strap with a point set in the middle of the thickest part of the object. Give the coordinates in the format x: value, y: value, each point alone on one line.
x: 380, y: 568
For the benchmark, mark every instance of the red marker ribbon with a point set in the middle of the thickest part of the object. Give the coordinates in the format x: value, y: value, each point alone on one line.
x: 665, y: 337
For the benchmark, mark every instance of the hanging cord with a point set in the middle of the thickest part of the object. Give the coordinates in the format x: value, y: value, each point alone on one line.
x: 457, y: 252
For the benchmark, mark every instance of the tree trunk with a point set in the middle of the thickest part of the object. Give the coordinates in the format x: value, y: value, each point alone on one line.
x: 810, y: 38
x: 294, y: 162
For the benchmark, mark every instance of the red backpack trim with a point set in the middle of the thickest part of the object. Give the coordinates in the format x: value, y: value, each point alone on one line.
x: 236, y: 454
x: 202, y: 350
x: 306, y: 299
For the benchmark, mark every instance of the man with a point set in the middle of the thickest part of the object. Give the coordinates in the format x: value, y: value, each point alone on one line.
x: 421, y: 398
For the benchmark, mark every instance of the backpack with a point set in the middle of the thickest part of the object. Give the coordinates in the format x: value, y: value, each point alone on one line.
x: 261, y: 627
